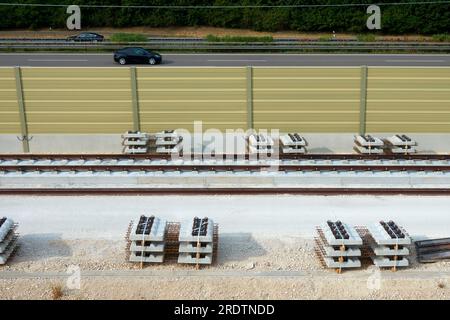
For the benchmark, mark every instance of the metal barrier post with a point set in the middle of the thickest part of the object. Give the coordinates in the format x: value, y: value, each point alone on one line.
x: 363, y: 101
x: 135, y: 100
x: 249, y: 97
x: 22, y: 115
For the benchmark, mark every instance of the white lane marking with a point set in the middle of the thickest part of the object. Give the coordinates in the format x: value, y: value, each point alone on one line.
x: 420, y: 61
x: 58, y: 60
x: 235, y: 60
x: 54, y: 54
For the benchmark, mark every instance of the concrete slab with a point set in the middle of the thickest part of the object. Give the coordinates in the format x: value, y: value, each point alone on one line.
x: 369, y: 142
x: 191, y: 247
x: 8, y: 252
x: 350, y: 263
x: 386, y: 251
x: 186, y: 232
x: 349, y: 252
x: 382, y: 262
x: 354, y: 238
x: 6, y: 227
x: 190, y: 258
x: 135, y: 150
x: 157, y: 232
x: 382, y: 237
x: 288, y: 150
x: 399, y: 140
x: 135, y: 135
x: 287, y: 141
x: 10, y: 237
x: 148, y: 258
x: 157, y: 247
x: 133, y: 142
x: 365, y: 150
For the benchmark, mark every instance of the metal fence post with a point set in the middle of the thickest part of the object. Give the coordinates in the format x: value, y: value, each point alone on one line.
x: 249, y: 97
x: 22, y: 114
x: 363, y: 101
x: 135, y: 99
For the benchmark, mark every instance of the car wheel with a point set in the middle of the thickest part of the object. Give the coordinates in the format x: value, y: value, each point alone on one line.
x: 122, y: 61
x: 152, y: 61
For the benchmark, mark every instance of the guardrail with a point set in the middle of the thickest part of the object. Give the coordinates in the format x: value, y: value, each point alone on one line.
x: 178, y: 45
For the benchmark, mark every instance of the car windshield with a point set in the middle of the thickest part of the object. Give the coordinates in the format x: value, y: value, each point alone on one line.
x: 140, y: 51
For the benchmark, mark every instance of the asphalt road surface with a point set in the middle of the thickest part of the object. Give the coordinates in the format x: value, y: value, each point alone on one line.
x: 174, y: 60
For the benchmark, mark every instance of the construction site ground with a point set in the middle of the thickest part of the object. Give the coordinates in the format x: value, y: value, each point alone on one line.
x: 266, y: 248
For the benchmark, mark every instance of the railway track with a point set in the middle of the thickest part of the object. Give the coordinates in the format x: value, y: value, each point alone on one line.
x: 219, y: 163
x: 155, y: 156
x: 219, y: 168
x: 155, y: 174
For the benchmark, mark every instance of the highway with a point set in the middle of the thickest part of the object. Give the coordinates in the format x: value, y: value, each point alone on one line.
x: 229, y: 60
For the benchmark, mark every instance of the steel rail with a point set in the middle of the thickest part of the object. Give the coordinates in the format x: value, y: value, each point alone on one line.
x: 215, y: 168
x: 228, y: 191
x: 157, y: 156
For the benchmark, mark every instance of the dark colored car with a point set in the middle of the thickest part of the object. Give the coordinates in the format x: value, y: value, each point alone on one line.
x: 137, y: 55
x: 87, y: 36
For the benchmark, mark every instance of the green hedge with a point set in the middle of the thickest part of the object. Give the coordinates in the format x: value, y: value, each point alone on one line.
x: 443, y: 37
x: 128, y: 37
x: 212, y: 38
x: 366, y: 37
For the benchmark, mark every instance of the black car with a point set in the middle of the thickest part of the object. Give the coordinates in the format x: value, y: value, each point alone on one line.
x: 87, y: 36
x: 136, y: 55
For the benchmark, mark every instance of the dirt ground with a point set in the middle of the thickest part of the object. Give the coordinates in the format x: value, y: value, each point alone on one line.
x: 199, y: 32
x: 247, y: 268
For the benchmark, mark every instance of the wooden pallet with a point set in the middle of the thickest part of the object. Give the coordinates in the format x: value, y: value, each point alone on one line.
x: 128, y: 241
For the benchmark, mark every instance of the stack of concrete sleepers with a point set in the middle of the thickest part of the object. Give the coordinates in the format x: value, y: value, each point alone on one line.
x: 260, y: 144
x: 368, y: 144
x: 389, y: 245
x: 401, y: 144
x: 147, y: 239
x: 338, y: 246
x: 168, y: 141
x: 8, y: 239
x: 293, y: 143
x: 135, y: 142
x: 196, y: 242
